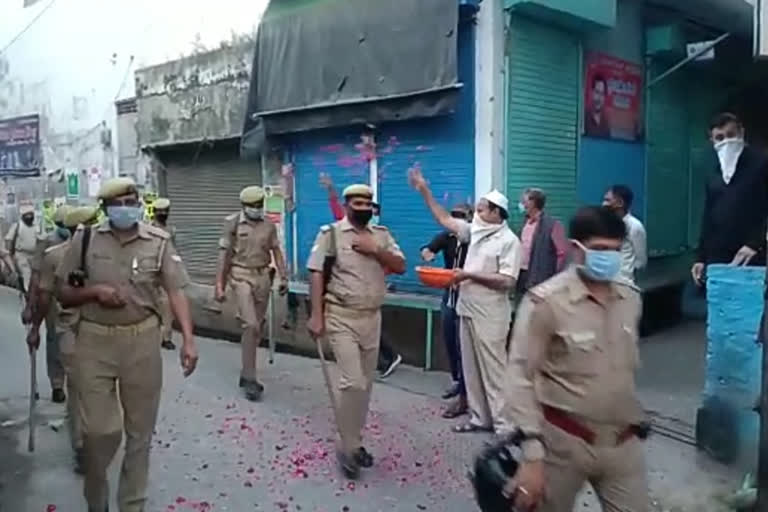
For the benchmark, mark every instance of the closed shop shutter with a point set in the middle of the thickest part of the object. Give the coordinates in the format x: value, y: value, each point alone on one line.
x: 667, y: 191
x: 333, y: 152
x: 442, y: 146
x: 542, y: 114
x: 202, y: 194
x: 704, y: 102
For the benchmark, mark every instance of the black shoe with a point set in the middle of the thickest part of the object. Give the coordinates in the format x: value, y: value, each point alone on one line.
x: 349, y: 467
x: 389, y: 370
x: 253, y: 390
x: 451, y: 392
x: 79, y: 462
x: 168, y: 345
x: 363, y: 458
x: 242, y: 382
x: 58, y: 396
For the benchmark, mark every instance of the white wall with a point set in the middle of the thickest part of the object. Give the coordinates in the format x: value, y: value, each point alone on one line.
x: 78, y: 58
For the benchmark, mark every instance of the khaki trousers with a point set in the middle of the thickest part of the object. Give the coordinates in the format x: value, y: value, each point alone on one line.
x: 484, y: 362
x: 53, y: 356
x: 74, y: 408
x: 617, y: 473
x: 252, y: 296
x: 166, y: 329
x: 354, y: 337
x: 107, y: 360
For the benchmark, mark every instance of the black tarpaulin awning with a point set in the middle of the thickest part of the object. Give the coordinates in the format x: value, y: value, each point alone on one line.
x: 335, y: 62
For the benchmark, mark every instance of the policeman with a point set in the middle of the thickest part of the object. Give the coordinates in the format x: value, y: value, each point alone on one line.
x: 571, y: 384
x: 113, y: 273
x: 349, y: 263
x: 65, y: 320
x: 52, y: 355
x: 248, y: 244
x: 21, y: 240
x: 162, y: 211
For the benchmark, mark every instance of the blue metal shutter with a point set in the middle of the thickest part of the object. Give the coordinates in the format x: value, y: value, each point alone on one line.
x: 444, y: 148
x: 542, y: 114
x: 335, y: 153
x: 667, y: 178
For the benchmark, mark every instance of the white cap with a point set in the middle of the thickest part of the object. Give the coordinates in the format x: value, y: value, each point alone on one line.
x: 497, y: 198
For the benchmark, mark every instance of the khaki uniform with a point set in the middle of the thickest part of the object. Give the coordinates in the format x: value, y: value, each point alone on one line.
x: 167, y: 317
x: 573, y: 362
x: 250, y: 244
x: 65, y: 325
x: 53, y: 357
x: 484, y: 323
x: 121, y: 347
x: 24, y: 251
x: 353, y: 300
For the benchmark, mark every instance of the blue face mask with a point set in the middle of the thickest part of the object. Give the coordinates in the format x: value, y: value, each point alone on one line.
x: 601, y: 265
x: 62, y: 232
x: 124, y: 217
x: 521, y: 207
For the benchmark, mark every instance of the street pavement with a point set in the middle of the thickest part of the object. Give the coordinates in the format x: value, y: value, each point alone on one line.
x: 213, y: 451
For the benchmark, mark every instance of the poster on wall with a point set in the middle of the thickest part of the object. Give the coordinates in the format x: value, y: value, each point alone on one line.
x: 613, y: 98
x: 20, y: 147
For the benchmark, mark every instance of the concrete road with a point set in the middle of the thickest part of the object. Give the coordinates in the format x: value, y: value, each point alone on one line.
x: 214, y: 451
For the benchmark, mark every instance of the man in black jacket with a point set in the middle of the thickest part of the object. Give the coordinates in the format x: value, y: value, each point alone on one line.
x: 733, y: 226
x: 454, y: 254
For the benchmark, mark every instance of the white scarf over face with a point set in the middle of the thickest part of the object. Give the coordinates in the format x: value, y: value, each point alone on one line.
x: 482, y: 229
x: 728, y: 152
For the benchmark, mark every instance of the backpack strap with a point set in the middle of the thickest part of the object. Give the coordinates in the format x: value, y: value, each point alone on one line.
x: 84, y: 250
x: 12, y: 249
x: 330, y: 257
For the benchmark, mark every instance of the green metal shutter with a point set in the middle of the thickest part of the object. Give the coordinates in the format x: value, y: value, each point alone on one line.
x: 704, y: 102
x: 542, y: 114
x: 667, y: 189
x: 202, y: 194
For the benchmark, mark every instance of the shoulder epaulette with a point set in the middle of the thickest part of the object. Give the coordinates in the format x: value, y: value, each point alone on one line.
x: 380, y: 227
x: 232, y: 216
x: 155, y: 231
x: 550, y: 286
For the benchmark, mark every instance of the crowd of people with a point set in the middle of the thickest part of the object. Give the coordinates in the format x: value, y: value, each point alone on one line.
x: 559, y: 372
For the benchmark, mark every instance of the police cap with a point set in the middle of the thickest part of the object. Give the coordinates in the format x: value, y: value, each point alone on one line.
x: 162, y: 203
x: 252, y: 194
x: 80, y: 215
x: 117, y: 187
x: 358, y: 190
x: 60, y: 213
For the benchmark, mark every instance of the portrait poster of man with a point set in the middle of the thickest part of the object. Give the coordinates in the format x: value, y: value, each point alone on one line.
x: 613, y: 94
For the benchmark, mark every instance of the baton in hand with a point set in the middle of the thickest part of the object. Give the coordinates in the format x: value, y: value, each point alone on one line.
x: 328, y: 384
x: 32, y: 398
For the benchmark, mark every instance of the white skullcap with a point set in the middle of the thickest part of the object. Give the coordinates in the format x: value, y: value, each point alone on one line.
x: 497, y: 198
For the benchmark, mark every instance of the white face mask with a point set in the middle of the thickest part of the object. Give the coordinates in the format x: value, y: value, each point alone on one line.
x: 728, y: 152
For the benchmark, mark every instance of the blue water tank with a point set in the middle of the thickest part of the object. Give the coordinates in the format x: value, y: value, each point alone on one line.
x: 733, y: 364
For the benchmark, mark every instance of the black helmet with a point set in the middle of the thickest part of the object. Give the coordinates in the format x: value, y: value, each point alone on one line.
x: 493, y: 468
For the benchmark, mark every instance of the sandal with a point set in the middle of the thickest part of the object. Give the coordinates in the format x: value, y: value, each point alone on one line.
x: 470, y: 428
x: 458, y: 408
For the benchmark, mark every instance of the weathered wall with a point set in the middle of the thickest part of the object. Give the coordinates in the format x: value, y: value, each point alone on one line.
x: 72, y: 60
x: 195, y: 98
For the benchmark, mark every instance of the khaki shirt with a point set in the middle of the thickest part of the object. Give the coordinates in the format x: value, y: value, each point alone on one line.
x: 66, y: 318
x: 250, y: 243
x: 357, y: 281
x: 43, y: 244
x: 138, y: 268
x: 168, y: 228
x: 570, y: 352
x: 496, y: 253
x: 26, y: 241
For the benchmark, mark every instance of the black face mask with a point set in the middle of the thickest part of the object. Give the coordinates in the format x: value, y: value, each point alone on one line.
x: 162, y: 217
x: 28, y: 219
x: 360, y: 217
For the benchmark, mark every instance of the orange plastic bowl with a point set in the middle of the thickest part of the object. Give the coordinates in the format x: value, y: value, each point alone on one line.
x: 435, y: 277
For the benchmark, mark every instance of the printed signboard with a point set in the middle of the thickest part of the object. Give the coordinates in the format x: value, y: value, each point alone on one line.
x: 20, y: 147
x: 613, y: 92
